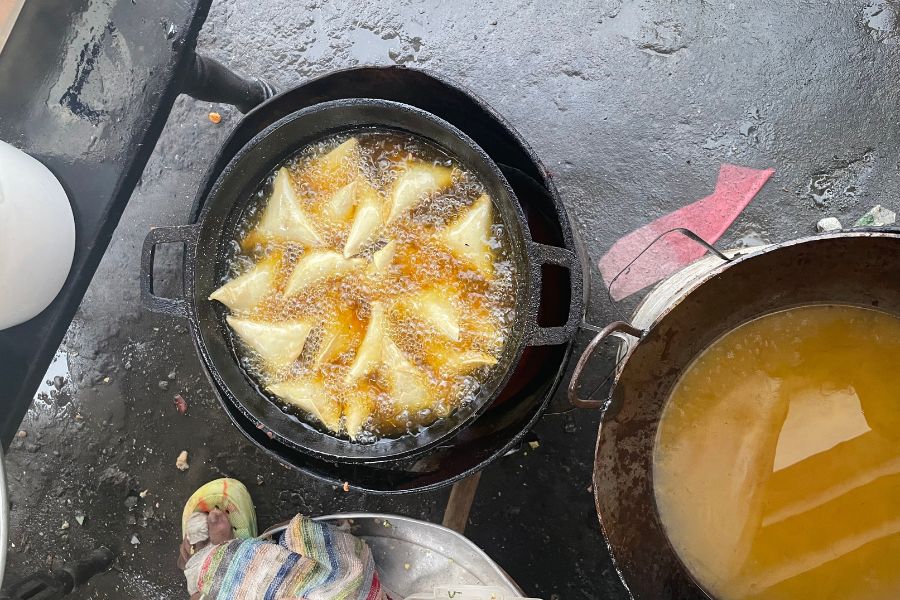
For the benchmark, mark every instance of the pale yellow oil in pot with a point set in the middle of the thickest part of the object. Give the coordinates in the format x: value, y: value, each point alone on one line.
x: 777, y: 461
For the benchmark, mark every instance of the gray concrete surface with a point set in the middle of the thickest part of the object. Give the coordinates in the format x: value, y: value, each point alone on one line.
x: 633, y: 104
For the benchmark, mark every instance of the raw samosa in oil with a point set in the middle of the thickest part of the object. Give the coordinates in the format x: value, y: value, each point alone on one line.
x: 317, y: 265
x: 366, y: 221
x: 435, y: 307
x: 311, y: 397
x: 278, y: 344
x: 368, y: 356
x: 248, y: 289
x: 469, y: 234
x: 415, y: 184
x: 284, y: 218
x: 408, y: 383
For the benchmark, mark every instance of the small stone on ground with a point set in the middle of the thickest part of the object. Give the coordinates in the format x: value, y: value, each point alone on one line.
x: 182, y: 461
x: 828, y: 224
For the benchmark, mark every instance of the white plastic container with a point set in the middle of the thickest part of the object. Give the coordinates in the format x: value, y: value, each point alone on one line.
x: 37, y: 236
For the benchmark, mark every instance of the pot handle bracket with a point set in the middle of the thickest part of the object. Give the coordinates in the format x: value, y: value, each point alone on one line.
x: 187, y: 236
x: 683, y: 231
x: 543, y: 254
x: 208, y: 79
x: 616, y: 330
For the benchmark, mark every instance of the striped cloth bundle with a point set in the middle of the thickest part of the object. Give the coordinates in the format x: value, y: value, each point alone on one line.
x: 314, y: 561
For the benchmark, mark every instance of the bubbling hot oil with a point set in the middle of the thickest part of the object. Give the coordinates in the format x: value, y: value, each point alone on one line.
x: 420, y: 261
x: 777, y: 462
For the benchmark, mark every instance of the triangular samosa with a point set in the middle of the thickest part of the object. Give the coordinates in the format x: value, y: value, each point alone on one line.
x: 318, y: 265
x: 467, y: 236
x: 435, y: 307
x: 382, y: 258
x: 414, y: 184
x: 248, y: 289
x: 311, y: 397
x: 366, y: 221
x: 277, y: 343
x: 330, y: 172
x: 335, y: 341
x: 368, y: 355
x: 339, y: 208
x: 359, y: 405
x: 284, y: 218
x: 409, y: 385
x: 451, y: 361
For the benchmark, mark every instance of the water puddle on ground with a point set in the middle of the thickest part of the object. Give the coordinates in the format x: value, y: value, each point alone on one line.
x: 882, y: 18
x: 55, y: 387
x: 369, y: 46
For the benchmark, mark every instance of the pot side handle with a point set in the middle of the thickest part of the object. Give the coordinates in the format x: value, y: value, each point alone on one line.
x: 616, y: 327
x: 542, y: 254
x: 187, y: 236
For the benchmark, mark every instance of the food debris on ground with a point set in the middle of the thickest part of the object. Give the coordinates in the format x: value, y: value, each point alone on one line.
x: 182, y: 461
x: 878, y: 216
x: 406, y: 566
x: 171, y: 376
x: 180, y: 403
x: 346, y: 486
x: 106, y: 379
x: 22, y: 434
x: 79, y: 519
x: 134, y: 540
x: 144, y: 493
x: 65, y: 525
x: 828, y: 224
x: 215, y: 117
x: 534, y: 444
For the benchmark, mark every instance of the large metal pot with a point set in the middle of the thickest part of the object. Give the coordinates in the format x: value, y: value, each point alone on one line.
x: 207, y: 245
x: 858, y: 268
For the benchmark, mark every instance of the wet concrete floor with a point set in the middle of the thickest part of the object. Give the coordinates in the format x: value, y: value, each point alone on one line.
x: 633, y: 104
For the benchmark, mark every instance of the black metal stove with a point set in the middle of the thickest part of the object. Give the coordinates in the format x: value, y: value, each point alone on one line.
x: 507, y: 423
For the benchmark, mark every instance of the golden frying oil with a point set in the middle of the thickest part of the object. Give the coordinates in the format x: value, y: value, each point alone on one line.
x: 777, y: 462
x: 486, y: 304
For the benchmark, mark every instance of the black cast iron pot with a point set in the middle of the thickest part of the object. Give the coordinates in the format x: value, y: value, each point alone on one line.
x: 206, y: 249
